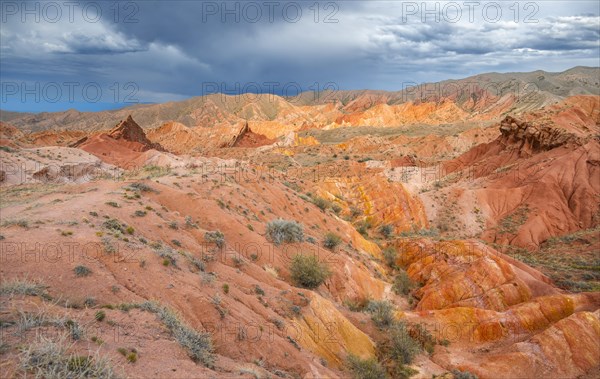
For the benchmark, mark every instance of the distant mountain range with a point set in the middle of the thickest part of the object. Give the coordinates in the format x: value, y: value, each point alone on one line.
x: 484, y: 97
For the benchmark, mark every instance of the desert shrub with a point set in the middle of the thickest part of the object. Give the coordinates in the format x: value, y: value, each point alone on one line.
x: 21, y: 223
x: 46, y: 358
x: 216, y: 237
x: 82, y: 271
x: 463, y: 375
x: 336, y: 208
x: 365, y: 368
x: 225, y: 288
x: 389, y: 255
x: 402, y: 283
x: 199, y: 345
x: 114, y: 225
x: 143, y: 187
x: 100, y: 315
x: 321, y: 203
x: 23, y: 287
x: 280, y: 231
x: 331, y: 241
x: 419, y: 333
x: 386, y: 230
x: 403, y: 348
x: 306, y: 271
x: 132, y: 357
x: 189, y: 222
x: 168, y: 255
x: 139, y: 213
x: 382, y: 313
x: 113, y: 204
x: 173, y: 225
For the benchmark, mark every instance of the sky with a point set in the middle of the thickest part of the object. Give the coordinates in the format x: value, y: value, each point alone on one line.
x: 95, y: 55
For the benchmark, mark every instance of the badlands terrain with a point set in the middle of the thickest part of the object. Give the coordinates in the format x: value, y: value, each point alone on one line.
x: 444, y: 231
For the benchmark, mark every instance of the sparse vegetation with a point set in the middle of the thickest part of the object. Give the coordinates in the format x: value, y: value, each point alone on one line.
x: 50, y: 359
x: 386, y: 230
x: 331, y: 241
x: 81, y: 271
x: 306, y: 271
x: 463, y: 375
x: 23, y: 287
x: 215, y: 237
x: 100, y: 316
x: 382, y: 313
x: 365, y: 368
x: 402, y: 283
x: 284, y: 231
x: 389, y: 255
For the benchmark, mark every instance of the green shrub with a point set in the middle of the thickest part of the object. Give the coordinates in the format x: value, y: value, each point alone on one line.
x: 386, y: 230
x: 389, y: 255
x: 216, y: 237
x: 100, y: 316
x: 225, y: 288
x: 306, y: 271
x: 403, y: 348
x: 382, y: 313
x: 365, y: 369
x: 463, y: 375
x: 284, y: 231
x: 321, y: 203
x: 112, y: 204
x: 331, y: 241
x: 82, y: 271
x: 402, y: 283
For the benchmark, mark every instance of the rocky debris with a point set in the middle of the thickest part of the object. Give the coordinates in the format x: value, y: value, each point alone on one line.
x: 538, y: 137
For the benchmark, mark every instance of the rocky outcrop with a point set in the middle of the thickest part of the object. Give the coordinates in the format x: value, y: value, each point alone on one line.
x: 129, y: 130
x: 538, y: 137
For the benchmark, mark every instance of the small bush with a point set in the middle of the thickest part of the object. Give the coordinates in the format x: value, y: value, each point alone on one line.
x: 132, y: 357
x: 139, y: 213
x: 331, y: 241
x: 142, y: 187
x: 112, y: 204
x: 100, y: 316
x: 284, y: 231
x: 216, y: 237
x: 382, y: 313
x: 306, y: 271
x: 402, y: 283
x: 365, y: 369
x: 321, y: 203
x: 403, y: 347
x: 225, y: 288
x: 463, y: 375
x: 386, y: 230
x: 114, y: 225
x: 130, y: 230
x: 82, y: 271
x: 51, y: 359
x: 389, y: 255
x: 23, y: 287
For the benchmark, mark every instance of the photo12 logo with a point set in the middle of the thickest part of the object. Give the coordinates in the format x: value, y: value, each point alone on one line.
x: 52, y: 12
x: 269, y: 12
x: 69, y: 92
x: 469, y: 11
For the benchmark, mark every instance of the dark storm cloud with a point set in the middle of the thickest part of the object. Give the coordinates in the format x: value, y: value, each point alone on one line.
x: 172, y: 50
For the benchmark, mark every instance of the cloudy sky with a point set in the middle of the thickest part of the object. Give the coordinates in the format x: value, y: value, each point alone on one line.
x: 92, y: 55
